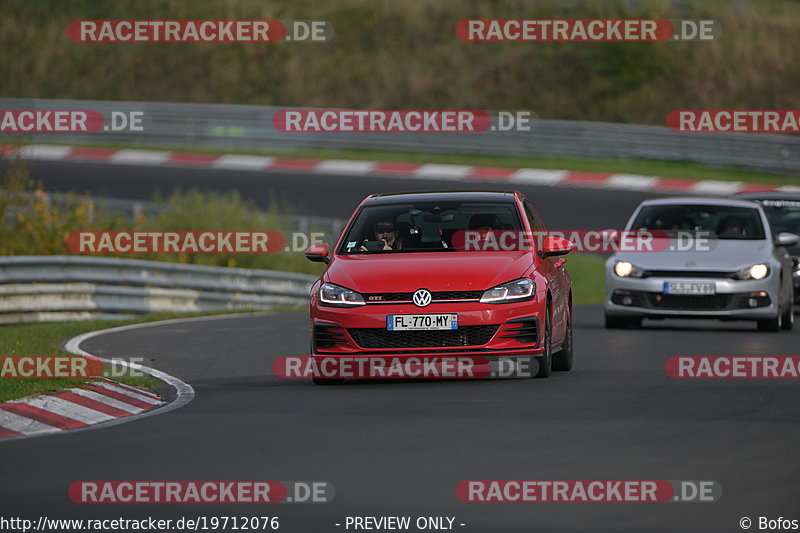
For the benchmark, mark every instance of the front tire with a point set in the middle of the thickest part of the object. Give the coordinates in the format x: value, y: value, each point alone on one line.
x: 562, y: 361
x: 787, y: 320
x: 545, y: 361
x: 770, y: 324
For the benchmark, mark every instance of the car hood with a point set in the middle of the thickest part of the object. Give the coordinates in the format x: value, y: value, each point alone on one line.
x: 436, y: 271
x: 724, y: 255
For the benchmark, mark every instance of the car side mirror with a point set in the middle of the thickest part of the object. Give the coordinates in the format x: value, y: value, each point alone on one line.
x: 318, y: 253
x: 786, y: 239
x: 555, y: 246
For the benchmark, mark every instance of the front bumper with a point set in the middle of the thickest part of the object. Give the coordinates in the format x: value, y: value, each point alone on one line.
x: 491, y: 331
x: 734, y: 299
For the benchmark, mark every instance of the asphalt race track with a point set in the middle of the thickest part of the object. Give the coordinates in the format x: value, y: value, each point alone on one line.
x: 400, y: 447
x: 324, y: 195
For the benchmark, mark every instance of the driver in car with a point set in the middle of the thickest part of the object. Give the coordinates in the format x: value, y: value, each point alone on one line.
x: 387, y: 233
x: 483, y: 224
x: 732, y: 227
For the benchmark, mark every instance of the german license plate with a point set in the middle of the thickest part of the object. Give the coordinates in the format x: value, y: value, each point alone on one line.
x: 689, y: 287
x: 421, y: 322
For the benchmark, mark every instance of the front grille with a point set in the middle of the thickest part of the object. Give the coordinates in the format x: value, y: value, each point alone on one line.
x: 463, y: 336
x: 706, y: 302
x: 680, y: 302
x: 688, y: 274
x: 457, y: 295
x: 436, y: 295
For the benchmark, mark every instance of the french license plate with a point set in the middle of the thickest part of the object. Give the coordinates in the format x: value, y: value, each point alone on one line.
x: 689, y: 287
x: 421, y: 322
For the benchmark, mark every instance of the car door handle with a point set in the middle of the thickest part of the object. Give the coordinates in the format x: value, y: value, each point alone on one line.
x: 559, y: 263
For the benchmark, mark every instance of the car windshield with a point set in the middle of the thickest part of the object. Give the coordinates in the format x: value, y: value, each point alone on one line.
x: 423, y: 226
x: 714, y: 221
x: 783, y: 215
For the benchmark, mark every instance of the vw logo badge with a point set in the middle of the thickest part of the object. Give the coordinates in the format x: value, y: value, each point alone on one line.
x: 422, y: 297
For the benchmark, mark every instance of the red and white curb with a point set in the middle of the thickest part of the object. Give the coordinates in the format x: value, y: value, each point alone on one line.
x: 430, y: 171
x: 93, y: 403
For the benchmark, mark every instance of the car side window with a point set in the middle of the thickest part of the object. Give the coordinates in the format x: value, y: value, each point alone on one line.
x: 533, y: 219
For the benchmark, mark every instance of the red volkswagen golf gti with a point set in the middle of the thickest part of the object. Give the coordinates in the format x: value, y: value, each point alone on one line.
x: 433, y: 273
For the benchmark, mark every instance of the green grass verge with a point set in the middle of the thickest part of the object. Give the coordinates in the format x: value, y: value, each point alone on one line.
x: 405, y: 54
x: 587, y: 273
x: 47, y: 338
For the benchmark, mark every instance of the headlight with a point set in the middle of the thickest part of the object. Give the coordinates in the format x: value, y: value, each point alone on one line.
x: 331, y: 294
x: 624, y: 269
x: 513, y: 291
x: 759, y: 271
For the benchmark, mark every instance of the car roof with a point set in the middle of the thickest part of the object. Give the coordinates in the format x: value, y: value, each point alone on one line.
x: 450, y: 196
x: 680, y: 200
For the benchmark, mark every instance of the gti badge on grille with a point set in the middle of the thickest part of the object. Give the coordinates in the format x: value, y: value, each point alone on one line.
x: 422, y: 297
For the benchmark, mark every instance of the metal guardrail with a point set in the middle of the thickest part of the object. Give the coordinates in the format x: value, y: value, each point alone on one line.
x: 55, y: 288
x: 250, y: 127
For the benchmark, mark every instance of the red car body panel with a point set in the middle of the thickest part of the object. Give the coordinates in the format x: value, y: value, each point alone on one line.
x: 444, y: 271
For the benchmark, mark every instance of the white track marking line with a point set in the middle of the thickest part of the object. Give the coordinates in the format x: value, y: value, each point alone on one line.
x: 630, y: 182
x: 43, y: 151
x: 140, y: 157
x: 345, y: 166
x: 243, y: 162
x: 716, y: 187
x: 443, y: 172
x: 535, y: 176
